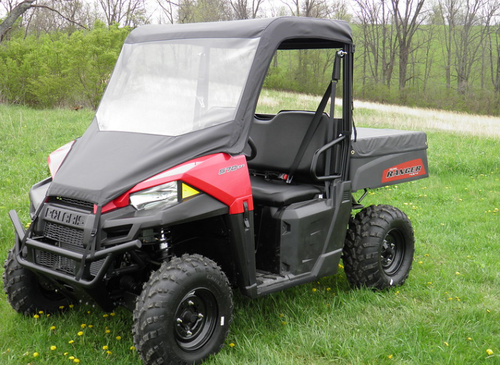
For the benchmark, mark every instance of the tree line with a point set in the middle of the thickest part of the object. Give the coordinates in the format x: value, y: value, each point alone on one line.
x: 441, y: 54
x: 432, y: 53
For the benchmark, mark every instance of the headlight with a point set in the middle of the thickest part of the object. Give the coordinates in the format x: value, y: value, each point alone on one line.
x: 162, y: 195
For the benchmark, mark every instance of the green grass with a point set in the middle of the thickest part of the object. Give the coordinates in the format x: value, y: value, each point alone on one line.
x: 447, y: 312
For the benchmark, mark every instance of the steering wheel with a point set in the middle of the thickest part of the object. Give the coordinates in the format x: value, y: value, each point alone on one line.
x: 253, y: 149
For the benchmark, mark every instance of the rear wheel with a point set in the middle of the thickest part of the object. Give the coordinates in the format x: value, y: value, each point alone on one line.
x: 28, y: 294
x: 184, y: 312
x: 379, y: 247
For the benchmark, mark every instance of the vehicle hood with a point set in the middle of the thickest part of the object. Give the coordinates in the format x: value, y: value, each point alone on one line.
x: 101, y: 166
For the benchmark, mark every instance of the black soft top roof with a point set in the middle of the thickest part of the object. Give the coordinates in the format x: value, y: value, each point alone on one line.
x: 277, y: 30
x: 102, y: 165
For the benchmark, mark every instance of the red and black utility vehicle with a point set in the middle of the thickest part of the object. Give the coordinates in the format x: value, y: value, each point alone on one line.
x: 179, y: 192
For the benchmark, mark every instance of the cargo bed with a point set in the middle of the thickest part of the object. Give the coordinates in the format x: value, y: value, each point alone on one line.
x: 381, y: 157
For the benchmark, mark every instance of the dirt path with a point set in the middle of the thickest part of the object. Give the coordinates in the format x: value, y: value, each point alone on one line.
x: 428, y: 119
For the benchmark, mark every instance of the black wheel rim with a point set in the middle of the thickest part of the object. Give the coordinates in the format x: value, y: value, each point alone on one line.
x: 47, y: 291
x: 195, y: 319
x: 392, y: 252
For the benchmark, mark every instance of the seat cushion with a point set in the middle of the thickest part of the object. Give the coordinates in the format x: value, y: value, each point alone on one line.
x: 278, y: 193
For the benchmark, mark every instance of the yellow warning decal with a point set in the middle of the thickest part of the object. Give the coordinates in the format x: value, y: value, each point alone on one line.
x: 188, y: 191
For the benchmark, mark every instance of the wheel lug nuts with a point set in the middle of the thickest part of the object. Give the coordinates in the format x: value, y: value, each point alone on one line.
x: 190, y: 302
x: 179, y: 320
x: 189, y: 333
x: 200, y: 315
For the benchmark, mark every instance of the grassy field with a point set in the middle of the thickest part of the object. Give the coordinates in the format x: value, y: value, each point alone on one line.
x: 448, y: 312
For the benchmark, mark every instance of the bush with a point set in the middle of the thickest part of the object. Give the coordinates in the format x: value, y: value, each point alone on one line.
x: 58, y: 69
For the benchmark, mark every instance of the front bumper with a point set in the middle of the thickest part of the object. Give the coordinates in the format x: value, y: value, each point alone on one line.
x: 27, y: 249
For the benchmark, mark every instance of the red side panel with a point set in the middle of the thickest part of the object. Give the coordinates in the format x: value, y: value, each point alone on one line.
x: 222, y: 176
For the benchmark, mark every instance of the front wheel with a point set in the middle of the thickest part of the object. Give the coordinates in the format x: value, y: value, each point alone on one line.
x: 27, y: 293
x: 184, y: 312
x: 379, y: 247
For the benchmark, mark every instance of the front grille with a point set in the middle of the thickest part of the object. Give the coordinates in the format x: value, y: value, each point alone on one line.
x: 64, y: 264
x: 73, y: 202
x: 67, y: 238
x: 55, y: 262
x: 64, y: 235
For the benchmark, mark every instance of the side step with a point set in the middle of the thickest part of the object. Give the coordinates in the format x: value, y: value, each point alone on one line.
x: 268, y: 283
x: 265, y: 279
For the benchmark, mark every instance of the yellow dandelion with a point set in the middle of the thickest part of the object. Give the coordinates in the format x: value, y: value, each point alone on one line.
x: 328, y: 289
x: 76, y: 360
x: 112, y: 314
x: 61, y: 307
x: 314, y: 290
x: 80, y: 333
x: 118, y: 338
x: 83, y: 325
x: 66, y: 353
x: 52, y: 328
x: 283, y: 323
x: 446, y: 344
x: 105, y: 316
x: 36, y: 354
x: 71, y: 342
x: 53, y: 348
x: 105, y: 348
x: 489, y: 352
x: 91, y: 326
x: 341, y: 266
x: 71, y: 357
x: 232, y: 344
x: 71, y: 305
x: 390, y: 356
x: 107, y: 331
x: 41, y: 312
x: 457, y: 273
x: 132, y: 348
x: 109, y: 352
x: 36, y: 316
x: 469, y: 339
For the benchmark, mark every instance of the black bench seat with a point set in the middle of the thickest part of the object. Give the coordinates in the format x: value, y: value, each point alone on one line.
x: 277, y: 139
x: 278, y: 193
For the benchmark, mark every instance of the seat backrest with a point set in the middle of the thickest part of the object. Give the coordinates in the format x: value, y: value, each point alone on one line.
x: 278, y: 139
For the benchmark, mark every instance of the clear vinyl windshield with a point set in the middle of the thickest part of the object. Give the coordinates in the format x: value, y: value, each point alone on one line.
x: 177, y: 86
